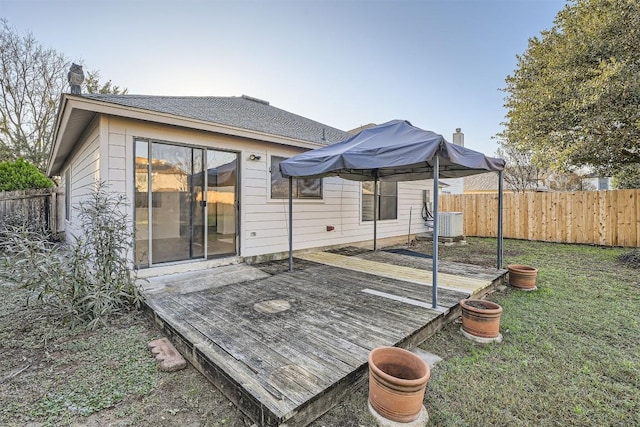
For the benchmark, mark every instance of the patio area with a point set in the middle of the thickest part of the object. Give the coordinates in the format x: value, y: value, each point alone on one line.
x: 286, y: 347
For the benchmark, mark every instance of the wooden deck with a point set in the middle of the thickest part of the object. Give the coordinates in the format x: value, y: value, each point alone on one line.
x: 286, y: 347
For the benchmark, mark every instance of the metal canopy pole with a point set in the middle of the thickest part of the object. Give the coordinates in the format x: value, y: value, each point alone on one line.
x: 500, y: 219
x: 290, y: 224
x: 375, y: 210
x: 434, y: 285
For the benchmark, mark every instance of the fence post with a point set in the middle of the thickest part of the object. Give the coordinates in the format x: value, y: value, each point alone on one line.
x: 53, y: 209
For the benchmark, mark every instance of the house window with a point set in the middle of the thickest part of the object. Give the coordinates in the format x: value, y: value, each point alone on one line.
x: 603, y: 183
x: 67, y: 194
x: 304, y: 188
x: 387, y: 205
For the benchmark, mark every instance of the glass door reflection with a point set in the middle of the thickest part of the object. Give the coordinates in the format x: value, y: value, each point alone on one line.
x: 221, y: 203
x: 175, y: 212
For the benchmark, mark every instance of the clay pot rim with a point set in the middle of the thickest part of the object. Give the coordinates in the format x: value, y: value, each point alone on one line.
x: 491, y: 307
x: 400, y: 381
x: 522, y: 268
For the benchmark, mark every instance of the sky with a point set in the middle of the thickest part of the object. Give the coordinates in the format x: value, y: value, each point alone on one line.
x: 438, y: 63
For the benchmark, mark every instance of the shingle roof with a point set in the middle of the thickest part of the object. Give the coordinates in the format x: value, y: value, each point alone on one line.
x: 481, y: 182
x: 241, y: 112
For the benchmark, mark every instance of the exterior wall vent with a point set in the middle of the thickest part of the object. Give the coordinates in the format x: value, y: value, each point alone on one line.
x: 450, y: 224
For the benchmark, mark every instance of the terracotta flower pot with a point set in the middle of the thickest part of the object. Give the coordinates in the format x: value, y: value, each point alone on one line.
x: 397, y: 380
x: 522, y: 276
x: 481, y: 318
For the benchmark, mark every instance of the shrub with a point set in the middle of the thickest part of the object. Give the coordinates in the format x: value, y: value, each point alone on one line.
x: 89, y: 280
x: 21, y: 175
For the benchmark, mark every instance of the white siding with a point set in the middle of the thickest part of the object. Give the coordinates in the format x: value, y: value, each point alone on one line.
x: 455, y: 185
x: 598, y: 183
x: 266, y: 225
x: 84, y: 163
x: 263, y: 221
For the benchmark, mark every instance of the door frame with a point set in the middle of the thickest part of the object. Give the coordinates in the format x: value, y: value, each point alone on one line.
x: 149, y: 207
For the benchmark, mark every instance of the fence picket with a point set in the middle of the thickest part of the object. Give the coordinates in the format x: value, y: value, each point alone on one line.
x: 37, y: 206
x: 610, y: 218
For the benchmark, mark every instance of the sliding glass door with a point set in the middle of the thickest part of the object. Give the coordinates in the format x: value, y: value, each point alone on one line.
x: 221, y: 202
x: 185, y: 203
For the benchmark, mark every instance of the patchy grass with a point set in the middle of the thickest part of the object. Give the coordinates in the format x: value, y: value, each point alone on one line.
x: 631, y: 258
x: 52, y: 375
x: 570, y: 356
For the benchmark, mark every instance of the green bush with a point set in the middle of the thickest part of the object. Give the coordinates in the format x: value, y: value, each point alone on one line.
x: 89, y: 280
x: 21, y: 175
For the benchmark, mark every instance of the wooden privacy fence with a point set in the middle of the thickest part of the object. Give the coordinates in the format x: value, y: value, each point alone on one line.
x: 38, y: 207
x: 610, y: 218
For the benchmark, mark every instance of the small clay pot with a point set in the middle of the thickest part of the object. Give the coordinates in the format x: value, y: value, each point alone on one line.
x: 481, y: 318
x: 397, y: 381
x: 523, y: 276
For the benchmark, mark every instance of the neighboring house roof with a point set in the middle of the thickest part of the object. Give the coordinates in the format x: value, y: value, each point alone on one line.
x: 483, y: 182
x: 361, y: 128
x: 238, y: 111
x: 241, y: 116
x: 488, y: 183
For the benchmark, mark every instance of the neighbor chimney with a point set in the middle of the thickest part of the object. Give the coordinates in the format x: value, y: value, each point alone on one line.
x: 458, y: 137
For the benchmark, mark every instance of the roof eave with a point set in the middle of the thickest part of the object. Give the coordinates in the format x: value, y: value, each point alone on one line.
x: 69, y: 103
x: 56, y: 130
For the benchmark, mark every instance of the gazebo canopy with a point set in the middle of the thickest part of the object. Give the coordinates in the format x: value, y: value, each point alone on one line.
x: 392, y: 151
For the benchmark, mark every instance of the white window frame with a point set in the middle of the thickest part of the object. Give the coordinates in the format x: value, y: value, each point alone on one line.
x: 67, y: 194
x: 377, y: 204
x: 274, y: 169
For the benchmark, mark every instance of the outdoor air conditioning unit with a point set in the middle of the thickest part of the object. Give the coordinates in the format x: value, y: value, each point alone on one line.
x: 450, y: 224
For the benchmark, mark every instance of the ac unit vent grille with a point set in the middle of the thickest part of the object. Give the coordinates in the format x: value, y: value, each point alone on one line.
x: 450, y: 224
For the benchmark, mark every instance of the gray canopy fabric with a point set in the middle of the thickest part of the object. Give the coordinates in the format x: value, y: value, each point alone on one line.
x: 393, y: 151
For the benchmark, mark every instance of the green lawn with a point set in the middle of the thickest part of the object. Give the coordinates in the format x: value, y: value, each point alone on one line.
x: 571, y: 349
x: 570, y: 356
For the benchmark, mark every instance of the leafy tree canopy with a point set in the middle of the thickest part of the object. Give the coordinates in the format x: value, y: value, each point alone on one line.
x: 574, y: 98
x: 21, y: 175
x: 32, y: 77
x: 628, y: 177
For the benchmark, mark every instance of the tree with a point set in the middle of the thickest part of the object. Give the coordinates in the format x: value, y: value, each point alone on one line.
x: 32, y: 77
x: 569, y: 181
x: 627, y: 177
x: 21, y: 175
x: 521, y: 174
x: 92, y: 85
x: 574, y: 98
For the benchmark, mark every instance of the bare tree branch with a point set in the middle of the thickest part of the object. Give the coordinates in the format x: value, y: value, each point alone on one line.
x: 31, y: 81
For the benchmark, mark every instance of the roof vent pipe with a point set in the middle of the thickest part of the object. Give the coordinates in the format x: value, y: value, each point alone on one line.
x: 458, y: 137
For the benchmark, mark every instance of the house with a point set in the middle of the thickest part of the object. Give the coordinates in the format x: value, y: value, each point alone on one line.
x: 202, y: 179
x: 484, y: 183
x: 594, y: 182
x: 487, y: 183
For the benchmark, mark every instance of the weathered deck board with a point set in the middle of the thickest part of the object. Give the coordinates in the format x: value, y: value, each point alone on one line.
x: 449, y: 267
x: 292, y: 366
x: 411, y: 274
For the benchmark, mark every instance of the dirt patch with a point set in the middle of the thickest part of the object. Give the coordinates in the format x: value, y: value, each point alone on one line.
x: 53, y: 375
